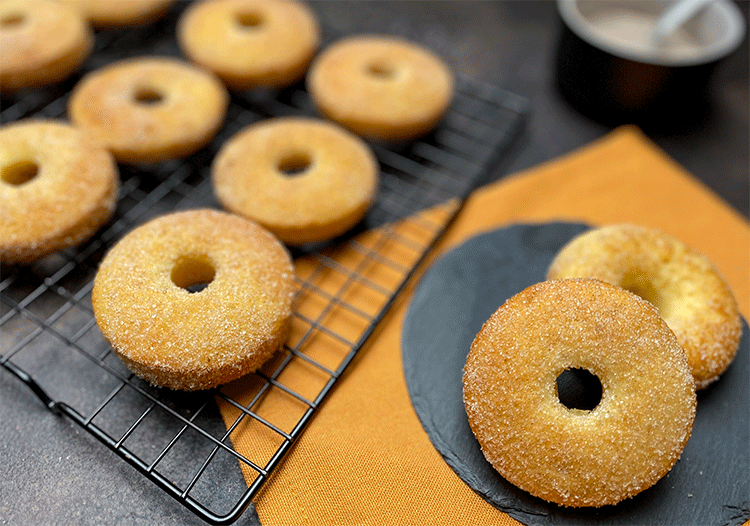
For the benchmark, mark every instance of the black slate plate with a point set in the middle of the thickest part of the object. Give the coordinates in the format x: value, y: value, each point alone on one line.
x: 708, y: 485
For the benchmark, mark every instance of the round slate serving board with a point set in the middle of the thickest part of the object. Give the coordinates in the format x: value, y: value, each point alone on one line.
x: 708, y: 485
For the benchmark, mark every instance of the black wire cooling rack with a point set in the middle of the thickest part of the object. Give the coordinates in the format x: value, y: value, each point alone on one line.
x: 190, y: 444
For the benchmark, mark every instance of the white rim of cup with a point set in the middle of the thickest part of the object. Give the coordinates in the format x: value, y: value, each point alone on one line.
x: 577, y: 23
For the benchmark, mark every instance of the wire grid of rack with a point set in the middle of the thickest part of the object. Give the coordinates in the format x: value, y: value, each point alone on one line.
x: 190, y: 444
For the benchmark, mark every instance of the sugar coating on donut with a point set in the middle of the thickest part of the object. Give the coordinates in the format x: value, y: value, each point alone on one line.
x: 187, y: 340
x: 575, y: 457
x: 305, y: 179
x: 682, y: 283
x: 41, y: 42
x: 382, y: 88
x: 57, y: 188
x: 149, y: 109
x: 250, y: 43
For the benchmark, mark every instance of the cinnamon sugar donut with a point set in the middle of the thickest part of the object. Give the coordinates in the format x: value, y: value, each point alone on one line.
x: 57, y: 187
x: 41, y: 42
x: 108, y: 14
x: 690, y: 294
x: 571, y: 456
x: 149, y: 109
x: 250, y: 43
x: 306, y: 180
x: 195, y: 340
x: 382, y: 88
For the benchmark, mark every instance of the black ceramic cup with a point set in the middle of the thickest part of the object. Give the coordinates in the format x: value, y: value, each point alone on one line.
x: 608, y: 69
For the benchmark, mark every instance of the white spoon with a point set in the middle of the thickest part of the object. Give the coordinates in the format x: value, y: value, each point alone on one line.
x: 673, y: 17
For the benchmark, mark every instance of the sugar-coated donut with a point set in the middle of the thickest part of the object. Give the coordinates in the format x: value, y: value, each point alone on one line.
x: 578, y: 457
x: 382, y: 88
x: 691, y: 296
x: 57, y: 188
x: 304, y: 179
x: 109, y: 14
x: 41, y: 42
x: 149, y: 109
x: 180, y: 339
x: 250, y: 43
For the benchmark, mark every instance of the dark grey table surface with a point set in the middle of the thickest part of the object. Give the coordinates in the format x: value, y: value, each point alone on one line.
x: 53, y: 473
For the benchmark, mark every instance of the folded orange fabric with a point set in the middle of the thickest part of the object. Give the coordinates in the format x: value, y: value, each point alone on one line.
x: 365, y: 458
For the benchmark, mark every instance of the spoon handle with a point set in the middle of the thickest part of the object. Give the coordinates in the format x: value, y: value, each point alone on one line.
x: 673, y: 17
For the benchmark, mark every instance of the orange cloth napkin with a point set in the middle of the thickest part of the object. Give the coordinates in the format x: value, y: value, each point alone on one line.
x: 365, y: 459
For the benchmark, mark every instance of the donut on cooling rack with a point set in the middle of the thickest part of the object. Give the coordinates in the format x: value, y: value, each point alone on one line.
x: 41, y: 42
x: 304, y: 179
x: 57, y: 188
x: 149, y: 109
x: 109, y: 14
x: 574, y: 456
x: 180, y: 339
x: 690, y: 294
x: 250, y: 43
x: 381, y: 88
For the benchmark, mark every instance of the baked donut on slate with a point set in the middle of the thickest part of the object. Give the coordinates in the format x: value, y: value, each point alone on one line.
x: 41, y: 42
x: 250, y: 43
x: 381, y: 88
x: 149, y: 109
x: 306, y: 180
x: 572, y: 456
x: 180, y: 339
x: 683, y: 284
x: 57, y: 188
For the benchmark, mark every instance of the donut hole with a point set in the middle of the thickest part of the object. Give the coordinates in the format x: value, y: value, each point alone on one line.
x: 579, y: 389
x: 12, y: 20
x: 148, y: 96
x: 193, y: 273
x: 641, y: 285
x: 382, y: 70
x: 19, y: 172
x: 294, y: 164
x: 249, y: 20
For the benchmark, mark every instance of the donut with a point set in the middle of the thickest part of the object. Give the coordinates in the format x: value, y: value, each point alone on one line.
x: 304, y: 179
x: 41, y: 42
x: 174, y: 337
x: 381, y: 88
x: 111, y: 14
x: 149, y: 109
x: 57, y: 188
x: 250, y: 43
x: 689, y: 292
x: 571, y: 456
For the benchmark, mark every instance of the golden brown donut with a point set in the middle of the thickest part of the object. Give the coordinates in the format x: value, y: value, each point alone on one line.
x: 576, y: 457
x: 109, y: 14
x: 57, y: 187
x: 41, y: 42
x: 691, y: 296
x: 250, y: 43
x: 382, y: 88
x: 195, y: 340
x: 304, y: 179
x: 149, y: 109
